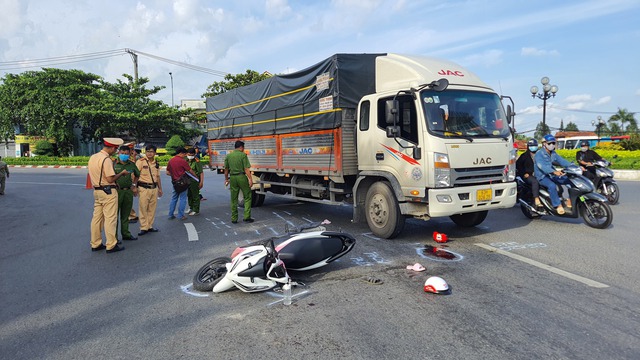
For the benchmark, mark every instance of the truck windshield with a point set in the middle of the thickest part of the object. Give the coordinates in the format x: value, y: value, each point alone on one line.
x: 468, y: 114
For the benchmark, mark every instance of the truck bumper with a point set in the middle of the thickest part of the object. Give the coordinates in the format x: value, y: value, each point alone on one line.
x: 451, y: 201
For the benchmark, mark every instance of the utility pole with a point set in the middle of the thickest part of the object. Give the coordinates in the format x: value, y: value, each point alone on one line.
x: 134, y: 57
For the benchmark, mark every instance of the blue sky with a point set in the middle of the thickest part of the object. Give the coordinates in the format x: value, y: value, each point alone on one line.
x: 589, y: 49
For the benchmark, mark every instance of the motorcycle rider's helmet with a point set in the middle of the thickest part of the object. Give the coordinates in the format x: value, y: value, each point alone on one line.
x: 584, y: 143
x: 532, y: 145
x: 436, y: 285
x: 549, y: 138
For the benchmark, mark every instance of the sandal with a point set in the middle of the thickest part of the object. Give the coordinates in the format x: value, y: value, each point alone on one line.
x: 373, y: 280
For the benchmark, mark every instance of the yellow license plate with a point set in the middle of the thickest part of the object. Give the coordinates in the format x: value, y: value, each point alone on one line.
x: 483, y: 195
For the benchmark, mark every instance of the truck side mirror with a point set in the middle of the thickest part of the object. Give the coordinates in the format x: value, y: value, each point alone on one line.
x: 417, y: 153
x: 393, y: 131
x: 510, y: 114
x: 391, y: 111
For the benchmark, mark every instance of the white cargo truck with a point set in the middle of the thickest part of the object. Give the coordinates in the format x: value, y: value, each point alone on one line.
x: 396, y: 136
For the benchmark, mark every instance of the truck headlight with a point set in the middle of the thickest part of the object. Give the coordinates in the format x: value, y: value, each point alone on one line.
x: 510, y: 169
x: 442, y: 170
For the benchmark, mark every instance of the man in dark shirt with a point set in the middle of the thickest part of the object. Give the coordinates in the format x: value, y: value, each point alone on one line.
x: 525, y: 167
x: 586, y: 157
x: 126, y: 189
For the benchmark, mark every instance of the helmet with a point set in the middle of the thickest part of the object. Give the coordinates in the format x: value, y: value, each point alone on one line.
x: 532, y: 142
x: 436, y: 285
x: 584, y: 143
x: 549, y: 138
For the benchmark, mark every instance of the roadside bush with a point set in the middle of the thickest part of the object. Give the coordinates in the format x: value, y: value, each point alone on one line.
x: 174, y: 143
x: 44, y: 148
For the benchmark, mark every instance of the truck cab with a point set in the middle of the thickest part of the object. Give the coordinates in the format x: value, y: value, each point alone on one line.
x: 432, y: 141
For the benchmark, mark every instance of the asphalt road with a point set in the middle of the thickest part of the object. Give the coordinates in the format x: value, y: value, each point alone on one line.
x: 571, y: 293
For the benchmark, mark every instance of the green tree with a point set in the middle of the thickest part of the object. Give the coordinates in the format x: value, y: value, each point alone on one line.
x: 541, y: 130
x: 174, y: 143
x: 124, y: 107
x: 571, y: 127
x: 42, y: 103
x: 624, y: 117
x: 234, y: 81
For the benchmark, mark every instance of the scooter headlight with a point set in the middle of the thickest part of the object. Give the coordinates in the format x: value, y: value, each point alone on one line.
x: 584, y: 184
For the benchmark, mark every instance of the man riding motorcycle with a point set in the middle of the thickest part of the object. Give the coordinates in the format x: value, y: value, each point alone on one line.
x: 586, y: 157
x: 525, y: 168
x: 547, y: 175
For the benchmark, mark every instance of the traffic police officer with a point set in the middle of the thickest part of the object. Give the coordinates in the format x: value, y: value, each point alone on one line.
x: 105, y: 205
x: 149, y: 189
x: 237, y: 174
x: 126, y: 189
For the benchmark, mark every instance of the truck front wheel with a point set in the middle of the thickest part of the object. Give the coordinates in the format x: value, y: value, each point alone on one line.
x: 382, y: 211
x: 469, y: 219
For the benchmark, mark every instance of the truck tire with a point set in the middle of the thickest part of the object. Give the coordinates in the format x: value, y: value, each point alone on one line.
x: 469, y: 219
x: 382, y: 211
x: 256, y: 199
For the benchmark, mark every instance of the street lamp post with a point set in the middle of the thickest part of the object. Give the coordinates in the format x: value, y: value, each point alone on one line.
x: 599, y: 124
x: 171, y: 75
x: 548, y: 91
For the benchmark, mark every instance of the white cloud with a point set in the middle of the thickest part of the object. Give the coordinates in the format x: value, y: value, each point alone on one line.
x: 487, y: 58
x: 531, y: 51
x: 277, y: 9
x: 578, y: 98
x: 603, y: 100
x: 638, y: 92
x: 10, y: 16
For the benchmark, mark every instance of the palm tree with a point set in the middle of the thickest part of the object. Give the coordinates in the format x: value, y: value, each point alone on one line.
x: 625, y: 117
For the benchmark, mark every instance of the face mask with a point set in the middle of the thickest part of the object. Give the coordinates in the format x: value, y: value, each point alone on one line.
x: 550, y: 147
x: 533, y: 148
x: 584, y: 148
x: 190, y: 157
x: 123, y: 157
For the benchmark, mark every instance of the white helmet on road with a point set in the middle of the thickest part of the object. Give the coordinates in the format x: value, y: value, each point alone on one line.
x: 436, y: 285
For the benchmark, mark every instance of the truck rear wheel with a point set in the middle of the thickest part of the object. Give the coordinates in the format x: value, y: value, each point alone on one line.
x: 256, y: 199
x: 382, y: 211
x: 469, y: 219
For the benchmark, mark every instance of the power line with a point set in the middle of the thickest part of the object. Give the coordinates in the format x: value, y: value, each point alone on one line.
x: 68, y: 59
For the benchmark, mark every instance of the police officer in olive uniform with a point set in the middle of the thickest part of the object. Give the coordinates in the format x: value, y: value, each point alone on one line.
x: 105, y: 205
x: 237, y: 173
x: 194, y: 188
x: 126, y: 189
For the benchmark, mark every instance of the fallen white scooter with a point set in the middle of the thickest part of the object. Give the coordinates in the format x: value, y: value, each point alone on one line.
x: 263, y: 265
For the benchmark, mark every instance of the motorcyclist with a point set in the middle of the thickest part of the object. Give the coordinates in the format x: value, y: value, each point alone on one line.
x: 525, y: 168
x: 547, y: 175
x: 586, y: 157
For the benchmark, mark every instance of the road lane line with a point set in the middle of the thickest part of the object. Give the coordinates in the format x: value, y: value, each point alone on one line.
x: 191, y: 231
x: 540, y: 265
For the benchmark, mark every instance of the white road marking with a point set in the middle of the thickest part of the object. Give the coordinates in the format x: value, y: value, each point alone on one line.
x: 371, y: 236
x: 187, y: 290
x: 191, y: 231
x: 550, y: 268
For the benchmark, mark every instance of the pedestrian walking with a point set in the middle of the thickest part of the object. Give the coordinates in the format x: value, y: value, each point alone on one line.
x: 149, y: 189
x: 127, y: 189
x: 4, y: 175
x: 237, y: 175
x: 105, y: 205
x: 176, y: 168
x: 193, y: 193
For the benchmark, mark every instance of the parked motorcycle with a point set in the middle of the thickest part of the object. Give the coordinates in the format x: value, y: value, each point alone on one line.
x: 263, y: 265
x: 593, y: 207
x: 607, y: 186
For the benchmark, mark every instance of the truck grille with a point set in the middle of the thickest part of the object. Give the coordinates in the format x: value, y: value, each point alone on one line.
x: 477, y: 176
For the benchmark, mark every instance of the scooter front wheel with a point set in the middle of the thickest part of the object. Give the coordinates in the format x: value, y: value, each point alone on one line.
x: 596, y: 214
x: 613, y: 192
x: 210, y: 274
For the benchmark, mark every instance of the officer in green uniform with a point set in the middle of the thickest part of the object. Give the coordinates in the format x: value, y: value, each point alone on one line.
x: 126, y: 189
x: 238, y: 175
x: 194, y: 188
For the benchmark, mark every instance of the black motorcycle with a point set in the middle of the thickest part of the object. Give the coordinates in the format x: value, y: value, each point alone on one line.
x: 586, y: 202
x: 606, y: 185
